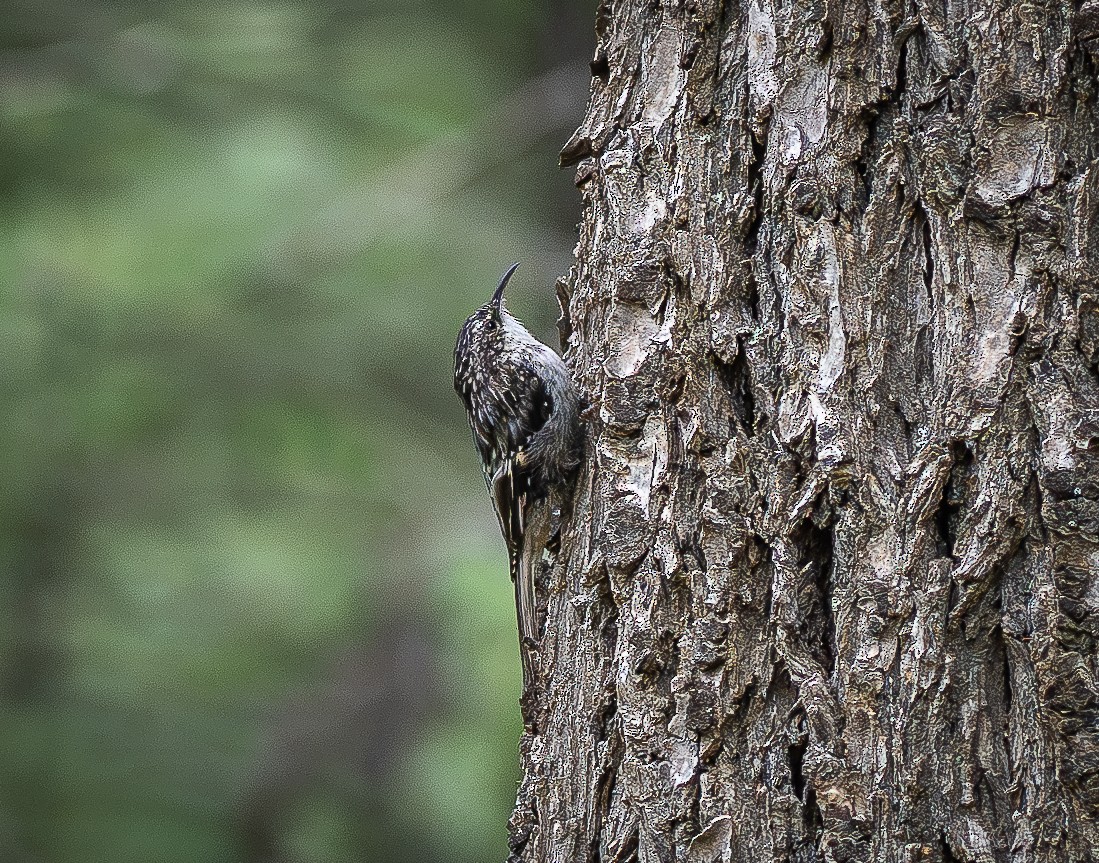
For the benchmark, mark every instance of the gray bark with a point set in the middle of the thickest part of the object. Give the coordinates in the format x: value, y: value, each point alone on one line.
x: 830, y: 585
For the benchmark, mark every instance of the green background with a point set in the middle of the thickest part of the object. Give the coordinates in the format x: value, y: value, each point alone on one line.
x: 255, y: 603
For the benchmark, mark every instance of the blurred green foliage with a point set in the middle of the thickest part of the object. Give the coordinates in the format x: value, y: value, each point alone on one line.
x: 256, y: 605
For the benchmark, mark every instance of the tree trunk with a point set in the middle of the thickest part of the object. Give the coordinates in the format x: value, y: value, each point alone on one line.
x: 830, y: 586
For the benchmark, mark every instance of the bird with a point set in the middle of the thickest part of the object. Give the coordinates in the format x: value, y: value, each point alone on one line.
x: 524, y: 413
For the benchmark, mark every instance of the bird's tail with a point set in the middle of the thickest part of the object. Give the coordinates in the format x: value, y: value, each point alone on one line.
x: 526, y: 612
x: 537, y: 522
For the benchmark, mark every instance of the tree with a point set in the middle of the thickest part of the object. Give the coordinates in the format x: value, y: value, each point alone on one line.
x: 830, y: 585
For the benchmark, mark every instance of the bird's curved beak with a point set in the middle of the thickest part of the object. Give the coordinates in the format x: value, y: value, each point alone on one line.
x: 498, y: 297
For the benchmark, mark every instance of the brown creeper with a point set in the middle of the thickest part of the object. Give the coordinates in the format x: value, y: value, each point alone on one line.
x: 524, y: 413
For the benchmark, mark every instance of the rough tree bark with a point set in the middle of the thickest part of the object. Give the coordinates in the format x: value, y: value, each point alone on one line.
x: 830, y: 590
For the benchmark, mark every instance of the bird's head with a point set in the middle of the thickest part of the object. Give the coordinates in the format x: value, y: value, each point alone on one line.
x: 488, y: 321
